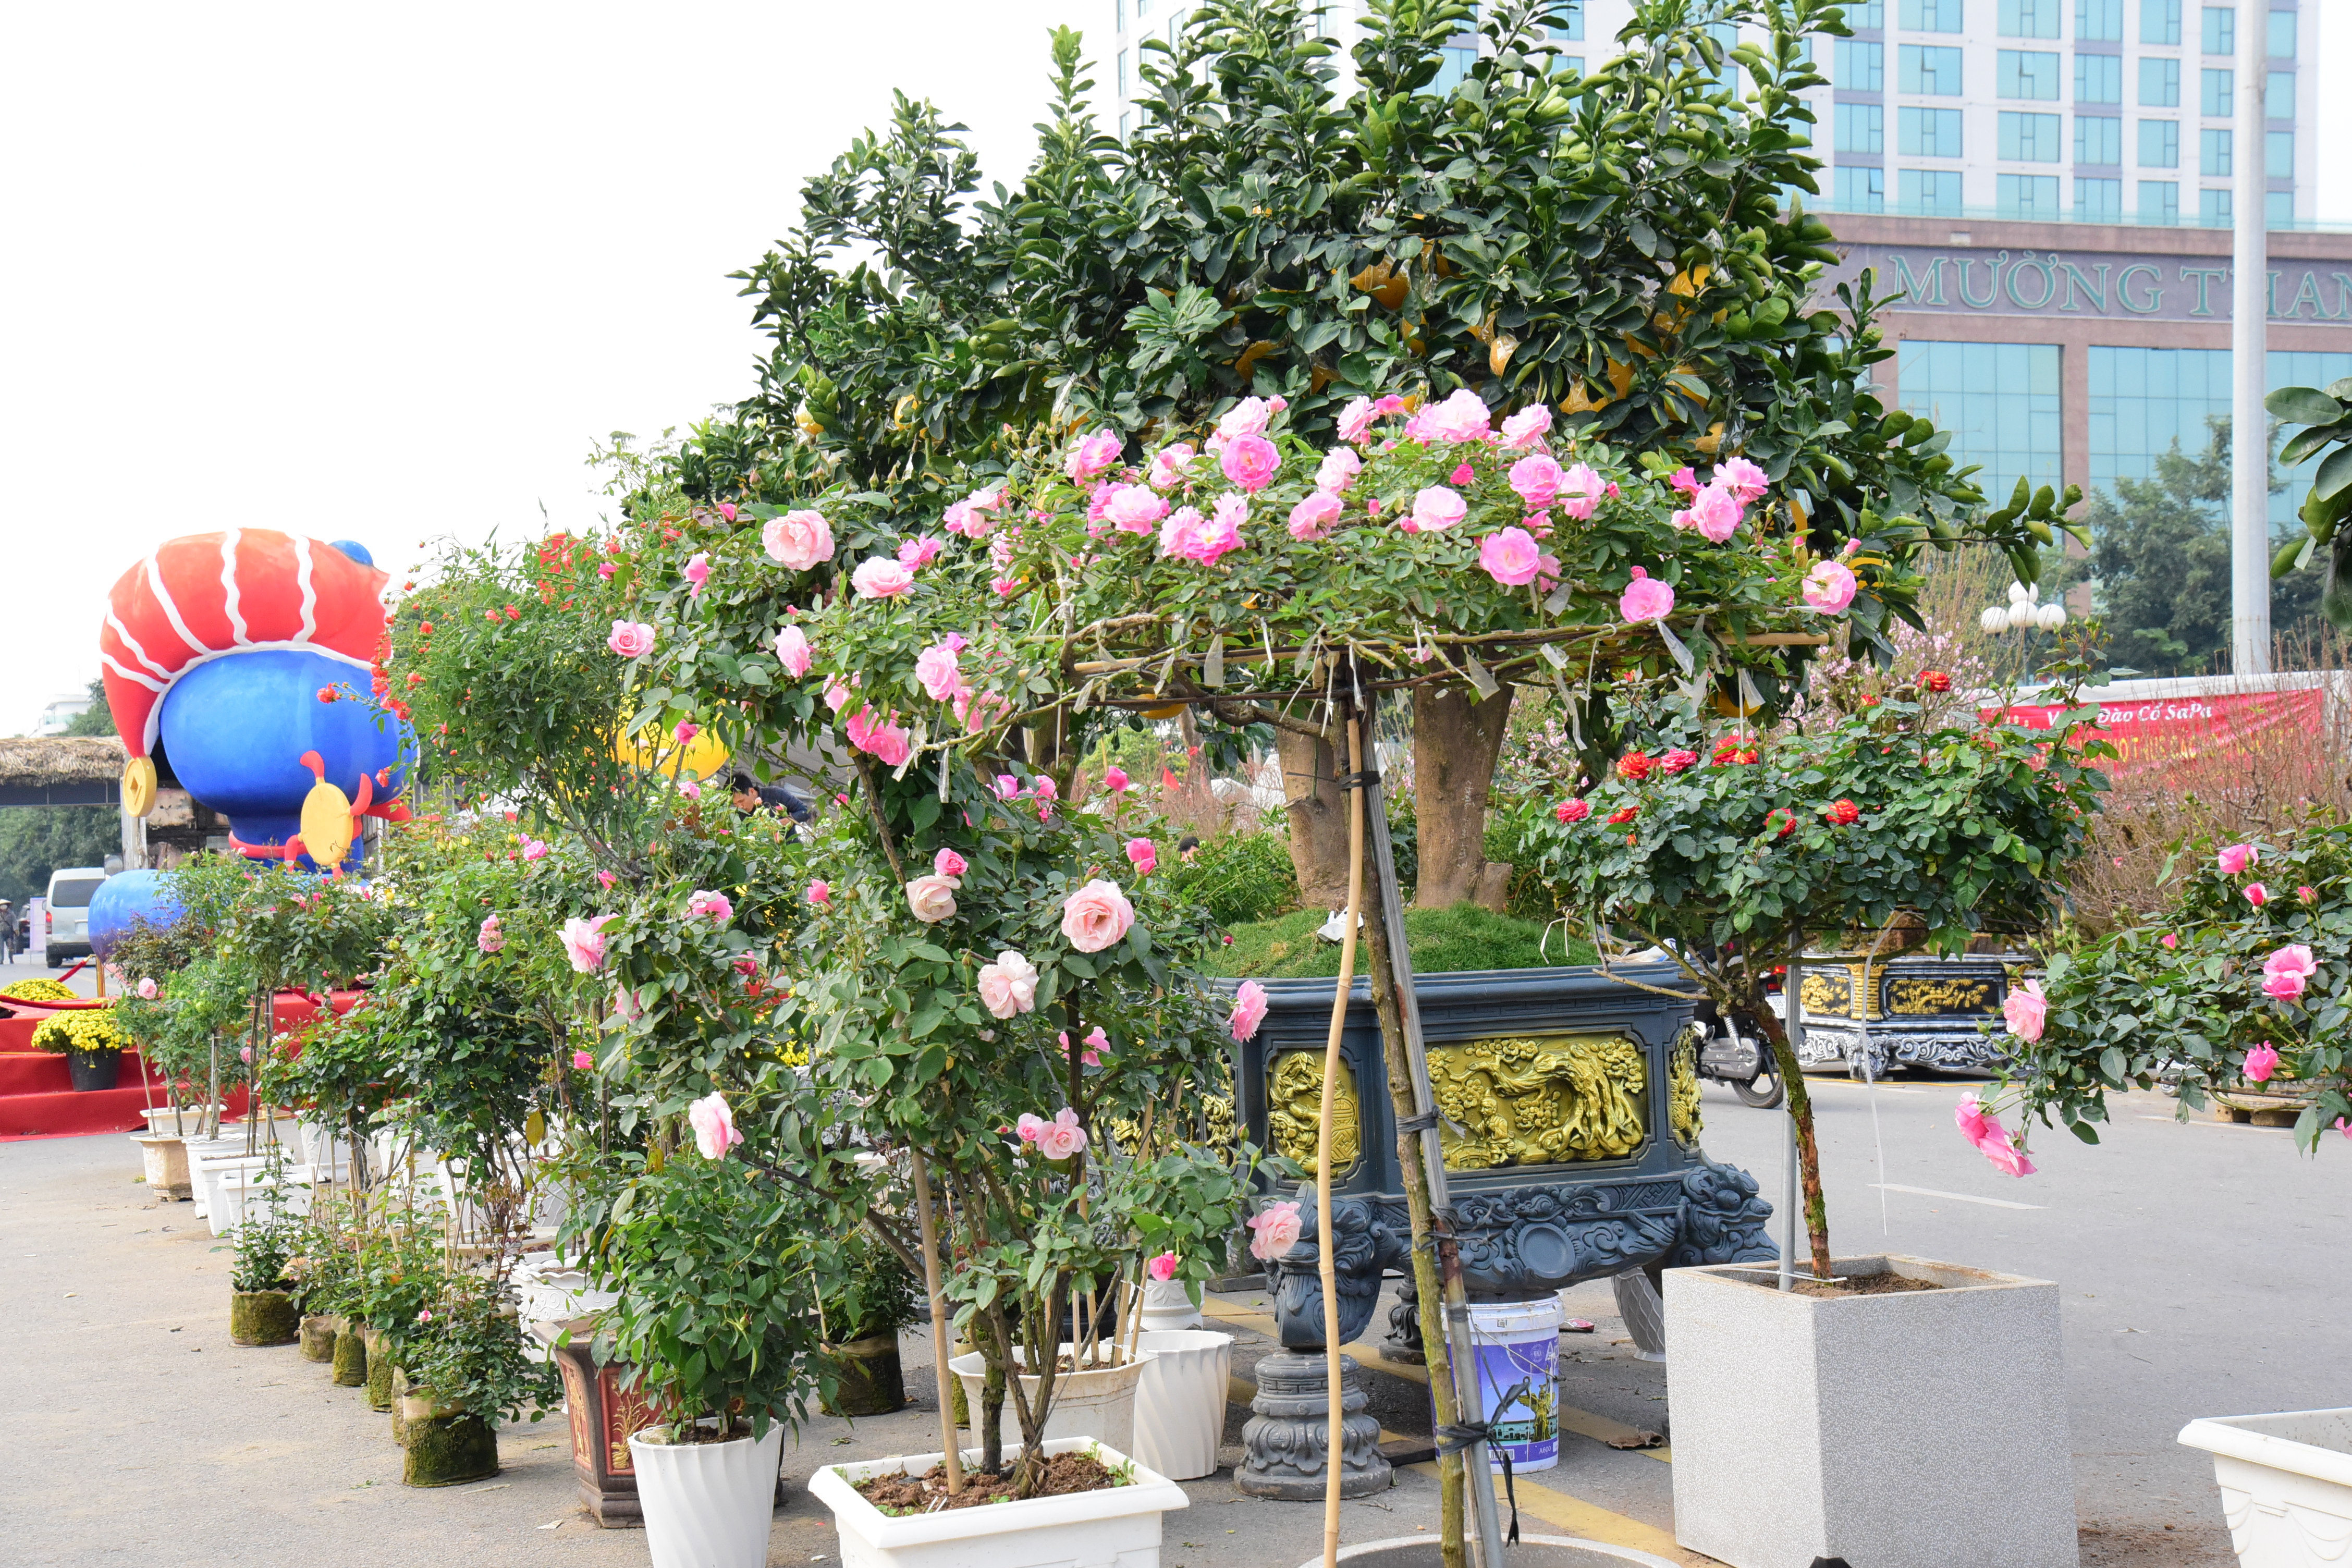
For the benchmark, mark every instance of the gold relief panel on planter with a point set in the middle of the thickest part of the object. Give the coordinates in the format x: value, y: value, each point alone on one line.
x: 1294, y: 1105
x: 1543, y: 1100
x: 1682, y: 1090
x: 1938, y: 996
x: 1828, y: 993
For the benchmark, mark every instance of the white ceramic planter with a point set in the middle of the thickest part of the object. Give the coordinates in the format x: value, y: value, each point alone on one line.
x: 1166, y: 1305
x: 161, y: 1119
x: 1098, y: 1405
x: 207, y: 1158
x: 1925, y: 1429
x: 709, y: 1505
x: 2286, y: 1485
x: 165, y: 1160
x: 242, y: 1194
x: 1179, y: 1404
x: 1114, y: 1528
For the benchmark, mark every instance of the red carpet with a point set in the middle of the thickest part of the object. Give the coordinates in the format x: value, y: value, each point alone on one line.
x: 36, y: 1093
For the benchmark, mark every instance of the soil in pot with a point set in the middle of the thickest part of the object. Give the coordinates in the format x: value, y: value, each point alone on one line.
x: 263, y: 1318
x: 1856, y: 1285
x: 94, y: 1071
x: 379, y: 1374
x: 318, y: 1336
x: 448, y: 1451
x: 350, y: 1359
x: 927, y: 1493
x: 868, y: 1380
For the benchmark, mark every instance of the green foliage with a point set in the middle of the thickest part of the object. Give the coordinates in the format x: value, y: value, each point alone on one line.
x: 36, y: 841
x: 2327, y: 418
x: 468, y: 1355
x: 1441, y: 942
x: 266, y: 1242
x: 98, y: 719
x: 875, y: 1292
x: 1239, y: 877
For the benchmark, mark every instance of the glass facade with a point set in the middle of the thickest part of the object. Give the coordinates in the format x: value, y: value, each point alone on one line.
x: 1931, y: 15
x: 1859, y: 189
x: 2099, y: 21
x: 2000, y: 401
x: 2159, y: 83
x: 2029, y: 19
x: 2029, y: 138
x: 1861, y: 128
x: 2214, y: 93
x: 2144, y: 400
x: 2027, y: 195
x: 2026, y: 73
x: 1928, y: 191
x: 2098, y: 139
x: 1860, y: 66
x: 2213, y: 209
x: 2159, y: 22
x: 2219, y: 32
x: 1928, y: 132
x: 2159, y: 201
x: 2159, y: 143
x: 2098, y: 79
x: 1929, y: 70
x: 2098, y: 201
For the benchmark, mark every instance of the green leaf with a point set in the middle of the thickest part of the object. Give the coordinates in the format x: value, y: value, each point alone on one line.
x: 2304, y: 405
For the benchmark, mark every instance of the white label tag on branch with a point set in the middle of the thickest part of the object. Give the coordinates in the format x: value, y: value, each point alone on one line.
x: 1555, y: 655
x: 1674, y: 645
x: 1750, y: 699
x: 1484, y: 683
x: 1212, y: 668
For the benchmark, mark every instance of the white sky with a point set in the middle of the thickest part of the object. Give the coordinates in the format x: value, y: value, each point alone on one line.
x: 387, y: 275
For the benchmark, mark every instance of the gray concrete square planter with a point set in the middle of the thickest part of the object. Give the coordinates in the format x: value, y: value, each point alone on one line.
x: 1921, y: 1429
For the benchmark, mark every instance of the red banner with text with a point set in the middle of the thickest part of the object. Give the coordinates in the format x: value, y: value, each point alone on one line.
x: 2192, y: 741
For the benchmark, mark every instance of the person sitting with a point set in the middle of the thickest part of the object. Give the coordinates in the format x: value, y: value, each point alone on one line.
x: 750, y: 796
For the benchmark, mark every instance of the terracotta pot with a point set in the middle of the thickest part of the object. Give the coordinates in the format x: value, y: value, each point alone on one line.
x: 263, y: 1318
x: 603, y: 1415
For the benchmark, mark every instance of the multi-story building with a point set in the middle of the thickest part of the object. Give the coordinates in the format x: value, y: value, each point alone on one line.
x: 2050, y: 184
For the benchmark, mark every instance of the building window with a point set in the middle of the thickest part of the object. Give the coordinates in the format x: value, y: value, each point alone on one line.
x: 2099, y: 201
x: 1929, y: 132
x: 1868, y: 16
x: 2220, y: 30
x: 2213, y: 209
x: 2027, y: 73
x: 2214, y: 155
x: 1453, y: 68
x: 2278, y: 212
x: 2029, y: 138
x: 1861, y: 128
x: 1930, y: 71
x: 1931, y: 15
x: 2098, y: 139
x: 1861, y: 190
x: 1126, y: 126
x: 2145, y: 402
x: 1123, y: 93
x: 2098, y: 79
x: 2099, y: 21
x: 2159, y: 201
x: 2029, y: 19
x: 2159, y: 21
x: 1861, y: 65
x: 1572, y: 67
x: 2159, y: 83
x: 1930, y: 191
x: 2278, y: 96
x: 2026, y: 195
x: 2278, y: 155
x: 2282, y: 36
x: 2000, y: 401
x: 2214, y: 93
x: 2159, y: 144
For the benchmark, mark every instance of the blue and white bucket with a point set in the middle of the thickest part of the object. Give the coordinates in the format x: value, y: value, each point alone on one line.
x: 1518, y: 1344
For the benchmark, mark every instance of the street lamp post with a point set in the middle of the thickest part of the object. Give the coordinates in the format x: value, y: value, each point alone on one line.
x: 2249, y: 450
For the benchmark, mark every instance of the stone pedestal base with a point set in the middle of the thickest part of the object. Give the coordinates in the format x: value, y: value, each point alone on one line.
x: 1288, y: 1432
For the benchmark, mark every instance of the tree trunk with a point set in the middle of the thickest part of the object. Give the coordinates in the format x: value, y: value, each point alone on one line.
x: 1318, y: 814
x: 1801, y: 1110
x: 1455, y: 743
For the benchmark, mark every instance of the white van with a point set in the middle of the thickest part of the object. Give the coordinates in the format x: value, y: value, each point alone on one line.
x: 68, y: 917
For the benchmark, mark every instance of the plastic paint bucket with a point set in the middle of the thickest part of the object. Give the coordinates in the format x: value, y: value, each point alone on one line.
x: 1519, y: 1343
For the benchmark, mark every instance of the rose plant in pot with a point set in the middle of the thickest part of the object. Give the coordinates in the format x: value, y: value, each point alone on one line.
x: 860, y: 1318
x: 264, y: 1301
x: 466, y: 1369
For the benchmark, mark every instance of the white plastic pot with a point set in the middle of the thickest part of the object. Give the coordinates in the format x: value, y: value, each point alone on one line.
x: 709, y: 1505
x: 2286, y: 1485
x: 1098, y: 1403
x: 1179, y: 1404
x: 1118, y: 1525
x: 1167, y: 1305
x: 206, y: 1160
x: 1518, y: 1349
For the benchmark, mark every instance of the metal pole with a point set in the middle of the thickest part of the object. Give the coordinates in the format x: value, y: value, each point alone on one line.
x: 2250, y: 447
x: 1792, y: 1023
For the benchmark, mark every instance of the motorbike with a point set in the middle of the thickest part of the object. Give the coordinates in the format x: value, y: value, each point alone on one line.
x: 1744, y: 1063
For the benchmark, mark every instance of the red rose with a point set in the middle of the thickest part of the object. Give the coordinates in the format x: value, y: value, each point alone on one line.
x: 1842, y: 812
x: 1934, y: 681
x: 1634, y: 766
x: 1571, y: 811
x: 1868, y: 700
x: 1624, y: 814
x: 1675, y: 761
x: 326, y: 694
x: 1780, y: 822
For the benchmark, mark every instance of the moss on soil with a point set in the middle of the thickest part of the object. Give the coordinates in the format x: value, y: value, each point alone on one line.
x: 448, y: 1451
x: 1464, y: 937
x: 350, y: 1359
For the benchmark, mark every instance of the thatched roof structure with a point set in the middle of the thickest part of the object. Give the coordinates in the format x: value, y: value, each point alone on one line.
x: 41, y: 760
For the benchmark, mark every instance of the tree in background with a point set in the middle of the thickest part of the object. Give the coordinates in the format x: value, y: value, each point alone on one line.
x: 37, y: 840
x: 99, y: 720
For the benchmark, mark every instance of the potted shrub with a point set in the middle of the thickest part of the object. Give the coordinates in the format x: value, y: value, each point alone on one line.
x: 860, y: 1318
x: 91, y: 1041
x: 466, y: 1369
x: 263, y: 1301
x: 894, y: 1515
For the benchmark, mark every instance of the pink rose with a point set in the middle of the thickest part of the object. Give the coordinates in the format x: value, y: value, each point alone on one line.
x: 936, y: 668
x: 1337, y: 470
x: 1168, y: 466
x: 2236, y: 857
x: 2025, y: 1010
x: 933, y: 898
x: 1829, y: 587
x: 1536, y: 477
x: 2308, y: 894
x: 820, y: 893
x: 1985, y: 1131
x: 631, y: 639
x: 1278, y: 1227
x: 1180, y: 534
x: 1092, y: 456
x: 1059, y: 1139
x: 1312, y: 518
x: 1008, y: 985
x: 1510, y: 557
x: 717, y: 907
x: 1142, y: 856
x: 583, y: 943
x: 605, y: 879
x: 2261, y: 1063
x: 490, y: 939
x: 798, y: 540
x: 1134, y: 509
x: 536, y: 849
x: 1464, y: 416
x: 626, y: 1006
x: 582, y: 1061
x: 948, y: 863
x: 1686, y: 481
x: 698, y: 573
x: 714, y: 1126
x: 147, y: 983
x: 793, y: 651
x: 1250, y: 462
x: 2257, y: 895
x: 2287, y: 971
x: 1163, y: 1267
x: 875, y: 735
x: 689, y: 789
x: 1247, y: 417
x: 1436, y: 509
x: 1585, y: 489
x: 1115, y: 780
x: 2168, y: 940
x: 1525, y: 428
x: 915, y: 554
x: 836, y: 693
x: 1645, y: 598
x: 1356, y: 419
x: 1007, y: 787
x: 1096, y: 916
x: 880, y: 577
x: 1221, y: 534
x: 1249, y: 1011
x: 1089, y: 1050
x: 1742, y: 478
x: 1971, y: 1115
x: 1045, y: 788
x: 1716, y: 513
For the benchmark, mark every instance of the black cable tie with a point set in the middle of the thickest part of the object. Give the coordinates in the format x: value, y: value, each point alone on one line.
x: 1357, y: 781
x: 1424, y: 1123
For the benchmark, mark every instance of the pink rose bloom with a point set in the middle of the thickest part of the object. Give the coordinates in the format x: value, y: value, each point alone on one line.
x: 1221, y: 534
x: 1096, y: 916
x: 605, y: 569
x: 1099, y: 502
x: 1388, y: 404
x: 2236, y: 857
x: 1536, y: 477
x: 1088, y: 1050
x: 1356, y: 419
x: 2167, y: 940
x: 2309, y: 895
x: 948, y: 863
x: 1115, y: 780
x: 1008, y: 985
x: 1278, y: 1227
x: 1675, y: 761
x: 880, y: 577
x: 936, y: 668
x: 1180, y: 534
x: 2293, y: 959
x: 2257, y: 895
x: 1464, y: 416
x: 1046, y: 789
x: 1246, y: 417
x: 1092, y: 456
x: 714, y: 1126
x: 933, y: 898
x: 605, y: 879
x: 1829, y: 587
x: 2024, y: 1011
x: 490, y: 939
x: 1142, y: 856
x: 536, y: 849
x: 2261, y: 1063
x: 1584, y: 488
x: 1527, y: 426
x: 1003, y: 587
x: 793, y: 651
x: 876, y: 737
x: 698, y: 573
x: 689, y: 789
x: 1249, y: 1011
x: 1971, y: 1115
x: 798, y: 540
x: 1060, y: 1138
x: 1437, y: 509
x: 1463, y: 475
x: 1007, y: 787
x: 1338, y: 469
x: 1742, y: 478
x: 626, y: 1006
x: 915, y: 554
x: 1991, y: 1139
x: 2282, y: 988
x: 1163, y: 1267
x: 1168, y: 466
x: 631, y: 639
x: 1510, y: 557
x: 820, y: 893
x: 1645, y: 598
x: 836, y: 693
x: 583, y: 943
x: 1250, y: 462
x: 1716, y: 513
x: 1686, y: 481
x: 727, y: 511
x: 147, y: 983
x: 1134, y: 509
x: 717, y: 907
x: 1312, y: 518
x: 962, y: 517
x: 582, y: 1061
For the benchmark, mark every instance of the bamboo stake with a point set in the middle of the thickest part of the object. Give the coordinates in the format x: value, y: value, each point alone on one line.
x: 952, y: 1456
x: 1326, y: 1265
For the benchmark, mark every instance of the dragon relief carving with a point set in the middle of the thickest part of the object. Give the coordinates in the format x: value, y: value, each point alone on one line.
x: 1682, y: 1090
x: 1294, y: 1100
x: 1545, y: 1101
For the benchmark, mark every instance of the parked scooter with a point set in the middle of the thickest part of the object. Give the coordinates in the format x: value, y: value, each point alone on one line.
x: 1743, y: 1062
